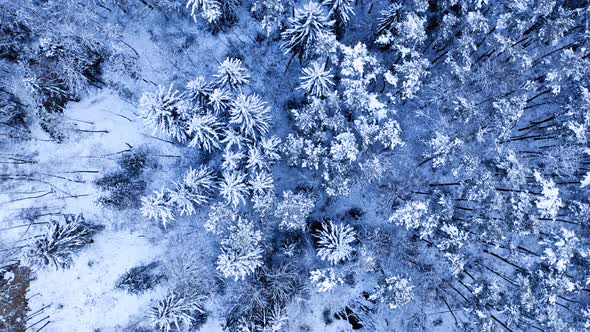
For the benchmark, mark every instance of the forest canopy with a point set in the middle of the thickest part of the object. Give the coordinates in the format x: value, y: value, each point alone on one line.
x: 314, y: 165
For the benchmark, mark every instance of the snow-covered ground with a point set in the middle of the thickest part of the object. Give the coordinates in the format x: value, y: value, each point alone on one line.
x: 83, y: 297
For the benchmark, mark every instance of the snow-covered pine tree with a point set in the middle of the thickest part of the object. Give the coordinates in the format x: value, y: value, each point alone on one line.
x: 317, y: 80
x: 232, y: 74
x: 335, y: 242
x: 256, y: 160
x: 232, y: 159
x: 270, y: 148
x: 340, y: 12
x: 359, y: 68
x: 158, y: 207
x: 220, y: 218
x: 261, y: 183
x: 308, y: 24
x: 173, y: 312
x: 216, y: 12
x: 210, y: 9
x: 167, y: 111
x: 241, y: 253
x: 219, y: 100
x: 272, y: 319
x: 234, y: 139
x: 195, y: 189
x: 270, y: 13
x: 204, y: 130
x: 60, y: 241
x: 250, y: 114
x: 234, y: 188
x: 389, y: 19
x: 401, y: 28
x: 410, y: 72
x: 198, y: 90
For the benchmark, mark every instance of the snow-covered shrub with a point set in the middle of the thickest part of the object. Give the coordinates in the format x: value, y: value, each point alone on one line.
x: 158, y: 207
x: 14, y: 34
x: 281, y: 283
x: 134, y: 162
x: 141, y: 278
x: 549, y: 203
x: 172, y: 313
x: 335, y: 242
x: 401, y: 28
x: 559, y: 254
x: 308, y: 24
x: 395, y: 291
x: 122, y: 190
x: 187, y: 266
x: 411, y: 214
x: 166, y: 111
x: 441, y: 146
x: 60, y: 242
x: 326, y: 280
x: 344, y: 147
x: 65, y: 62
x: 232, y: 74
x: 241, y: 252
x: 14, y: 117
x: 293, y: 210
x: 457, y: 263
x: 317, y: 80
x: 220, y: 218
